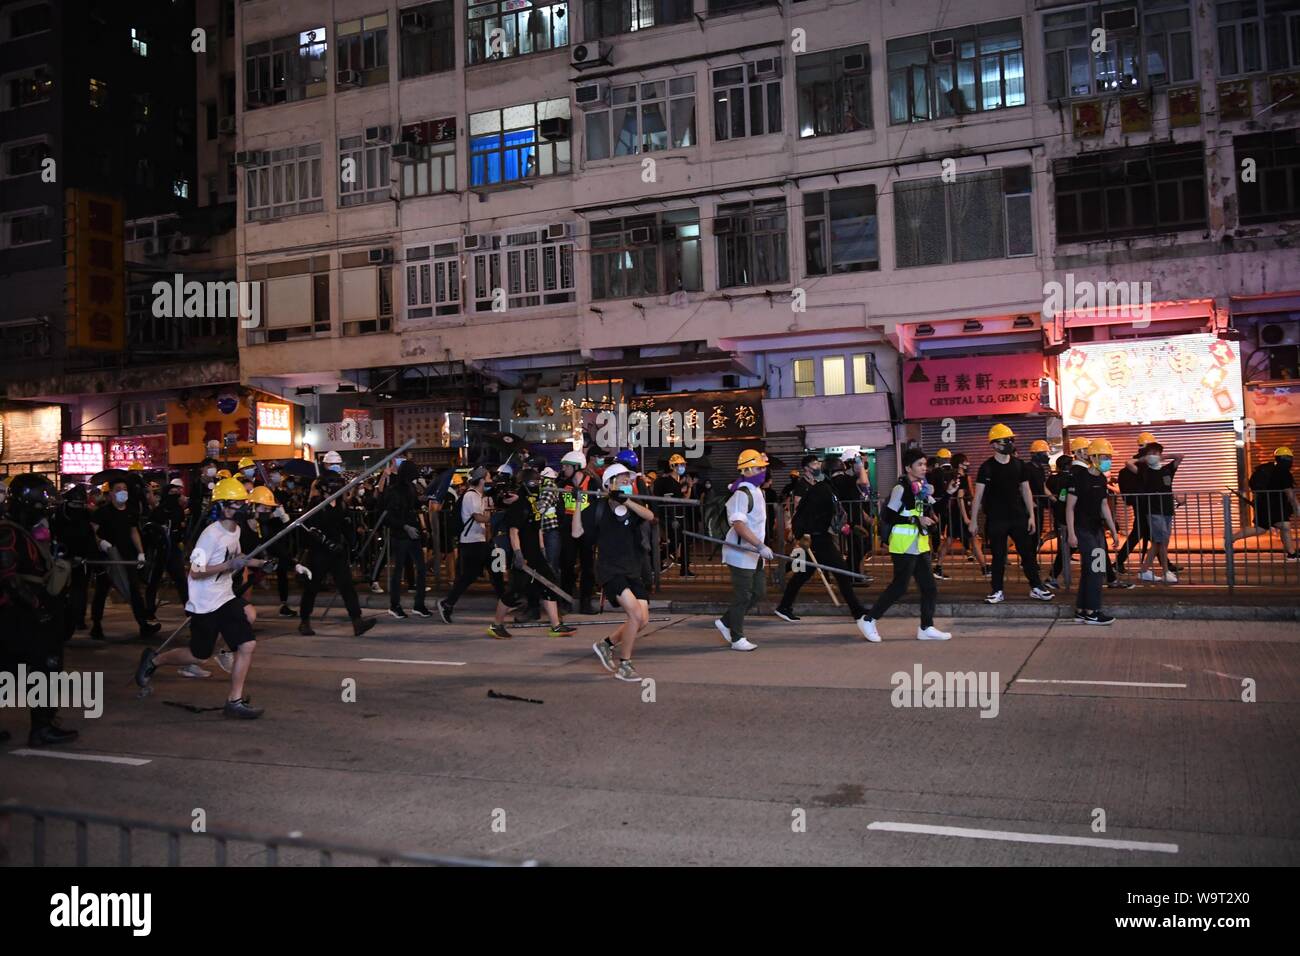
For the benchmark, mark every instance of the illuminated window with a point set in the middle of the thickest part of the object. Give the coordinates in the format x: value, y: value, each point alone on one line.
x: 805, y: 384
x: 833, y: 375
x: 834, y: 91
x: 497, y: 29
x: 968, y: 70
x: 864, y: 373
x: 98, y: 93
x: 138, y: 43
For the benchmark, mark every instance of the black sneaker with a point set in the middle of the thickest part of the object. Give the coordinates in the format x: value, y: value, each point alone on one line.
x: 241, y: 709
x: 1175, y: 568
x: 1080, y: 616
x: 1121, y: 585
x: 304, y: 628
x: 144, y: 670
x: 1098, y: 618
x: 786, y: 614
x: 444, y: 612
x: 97, y: 633
x: 149, y: 630
x: 937, y: 571
x: 421, y: 611
x: 562, y: 630
x: 286, y: 611
x: 362, y: 624
x: 397, y: 612
x: 50, y: 736
x: 499, y: 632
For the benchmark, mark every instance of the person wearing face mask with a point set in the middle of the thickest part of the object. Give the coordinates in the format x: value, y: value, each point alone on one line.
x: 168, y: 519
x: 615, y: 525
x: 333, y: 461
x: 33, y: 598
x: 1002, y: 492
x: 576, y: 557
x: 401, y: 506
x: 747, y: 519
x: 118, y: 527
x: 1087, y: 516
x: 908, y: 516
x: 247, y: 468
x: 215, y: 610
x: 474, y: 550
x: 328, y: 536
x: 1157, y: 473
x: 1040, y: 467
x: 1131, y: 483
x: 523, y: 524
x: 669, y: 485
x: 1275, y: 501
x: 819, y: 519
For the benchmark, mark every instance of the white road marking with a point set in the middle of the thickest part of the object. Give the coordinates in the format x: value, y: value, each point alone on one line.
x: 396, y: 660
x: 1017, y: 837
x: 1096, y: 683
x: 64, y: 755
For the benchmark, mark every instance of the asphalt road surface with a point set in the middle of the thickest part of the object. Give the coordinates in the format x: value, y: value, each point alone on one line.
x: 793, y: 754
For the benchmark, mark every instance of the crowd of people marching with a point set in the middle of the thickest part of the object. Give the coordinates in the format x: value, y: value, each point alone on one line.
x: 549, y: 539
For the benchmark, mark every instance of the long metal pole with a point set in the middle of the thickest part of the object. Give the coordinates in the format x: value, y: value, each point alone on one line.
x: 777, y: 554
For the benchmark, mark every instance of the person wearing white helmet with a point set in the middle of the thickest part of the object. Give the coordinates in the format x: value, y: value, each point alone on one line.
x: 575, y: 477
x: 614, y: 528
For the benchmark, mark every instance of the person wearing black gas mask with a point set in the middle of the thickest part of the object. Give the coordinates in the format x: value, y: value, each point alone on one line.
x: 401, y: 505
x: 76, y: 539
x: 117, y: 524
x: 327, y: 534
x: 33, y: 597
x: 1002, y: 492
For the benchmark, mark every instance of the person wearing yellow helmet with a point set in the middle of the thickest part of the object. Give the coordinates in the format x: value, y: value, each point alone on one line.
x: 1087, y: 516
x: 1004, y: 495
x: 670, y: 517
x: 215, y: 611
x: 1274, y: 500
x: 747, y: 518
x: 1156, y: 472
x: 117, y: 525
x: 247, y: 467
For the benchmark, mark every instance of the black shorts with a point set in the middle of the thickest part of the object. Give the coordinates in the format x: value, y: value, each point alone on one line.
x: 227, y: 621
x: 620, y: 583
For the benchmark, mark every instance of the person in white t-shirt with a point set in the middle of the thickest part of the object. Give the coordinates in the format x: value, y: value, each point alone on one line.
x: 474, y: 548
x: 746, y: 547
x: 214, y: 610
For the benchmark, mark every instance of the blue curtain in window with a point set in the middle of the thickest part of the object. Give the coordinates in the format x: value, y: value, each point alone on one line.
x: 490, y: 163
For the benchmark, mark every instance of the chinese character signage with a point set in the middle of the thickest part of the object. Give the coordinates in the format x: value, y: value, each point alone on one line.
x: 722, y: 415
x: 149, y: 450
x: 430, y: 132
x: 965, y: 387
x: 94, y: 295
x: 1184, y: 378
x: 347, y: 435
x: 81, y: 457
x: 274, y: 424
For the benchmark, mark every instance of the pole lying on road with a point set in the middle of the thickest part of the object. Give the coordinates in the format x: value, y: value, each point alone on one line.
x: 777, y: 554
x: 365, y: 473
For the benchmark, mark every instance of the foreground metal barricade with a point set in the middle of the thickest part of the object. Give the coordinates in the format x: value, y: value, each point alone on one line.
x: 92, y: 833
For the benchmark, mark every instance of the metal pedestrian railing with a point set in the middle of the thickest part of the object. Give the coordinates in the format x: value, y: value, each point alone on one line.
x: 83, y: 838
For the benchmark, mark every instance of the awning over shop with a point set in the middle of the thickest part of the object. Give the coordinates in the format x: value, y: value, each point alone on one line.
x: 866, y: 434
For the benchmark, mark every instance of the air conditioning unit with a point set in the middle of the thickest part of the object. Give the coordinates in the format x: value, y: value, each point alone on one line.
x: 722, y: 225
x: 408, y: 152
x: 1273, y: 334
x: 639, y: 236
x: 226, y: 126
x: 251, y: 157
x: 152, y: 247
x: 731, y: 381
x: 470, y: 243
x: 766, y: 68
x: 557, y: 230
x: 590, y: 96
x: 587, y: 55
x: 1125, y: 18
x: 413, y: 20
x: 378, y: 134
x: 349, y: 78
x: 854, y: 62
x: 554, y: 127
x: 943, y: 49
x: 181, y: 243
x: 379, y: 257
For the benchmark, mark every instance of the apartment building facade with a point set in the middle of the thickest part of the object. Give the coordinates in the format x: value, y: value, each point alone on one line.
x: 791, y: 202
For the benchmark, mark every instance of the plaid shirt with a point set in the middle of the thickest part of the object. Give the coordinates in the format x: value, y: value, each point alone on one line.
x: 548, y: 506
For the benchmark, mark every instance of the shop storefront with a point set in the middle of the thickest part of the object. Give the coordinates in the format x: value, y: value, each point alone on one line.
x: 29, y: 439
x: 1268, y: 327
x: 709, y: 428
x: 953, y: 402
x: 230, y: 422
x: 1186, y: 389
x: 147, y: 451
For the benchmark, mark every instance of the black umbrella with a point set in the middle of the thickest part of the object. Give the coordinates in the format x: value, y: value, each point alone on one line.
x: 114, y: 475
x: 505, y: 441
x: 298, y: 467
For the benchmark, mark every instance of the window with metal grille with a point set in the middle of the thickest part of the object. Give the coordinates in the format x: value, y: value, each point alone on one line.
x: 654, y: 254
x: 432, y: 280
x: 435, y: 173
x: 498, y: 29
x: 834, y: 91
x: 972, y: 69
x: 531, y: 269
x: 1152, y: 46
x: 1144, y: 190
x: 1273, y: 194
x: 753, y: 248
x: 607, y: 18
x: 982, y: 215
x: 288, y: 184
x: 364, y: 174
x: 428, y: 39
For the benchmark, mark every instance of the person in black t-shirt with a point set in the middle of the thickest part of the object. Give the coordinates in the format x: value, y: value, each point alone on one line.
x: 614, y: 525
x: 328, y: 536
x: 1157, y: 474
x: 117, y: 525
x: 523, y: 523
x: 1275, y: 500
x: 851, y: 485
x: 1087, y: 516
x: 1002, y: 493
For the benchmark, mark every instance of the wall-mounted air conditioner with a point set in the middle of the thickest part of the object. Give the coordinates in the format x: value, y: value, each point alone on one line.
x: 470, y: 243
x: 407, y: 152
x: 349, y: 78
x: 854, y: 63
x: 554, y: 127
x: 722, y: 225
x: 766, y: 68
x: 943, y: 49
x: 590, y: 96
x: 586, y: 55
x: 379, y: 257
x: 378, y: 134
x: 557, y: 230
x: 226, y: 126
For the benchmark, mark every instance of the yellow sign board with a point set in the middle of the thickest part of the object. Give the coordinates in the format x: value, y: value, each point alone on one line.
x: 95, y: 296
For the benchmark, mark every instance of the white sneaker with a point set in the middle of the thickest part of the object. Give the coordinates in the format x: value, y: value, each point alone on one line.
x: 1171, y: 578
x: 1041, y: 594
x: 193, y: 670
x: 997, y: 597
x: 743, y: 645
x: 1147, y: 576
x: 868, y: 629
x: 226, y: 660
x: 723, y: 630
x: 931, y: 633
x: 376, y: 588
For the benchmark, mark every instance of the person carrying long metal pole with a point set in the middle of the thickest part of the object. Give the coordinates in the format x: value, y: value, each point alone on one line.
x: 779, y: 556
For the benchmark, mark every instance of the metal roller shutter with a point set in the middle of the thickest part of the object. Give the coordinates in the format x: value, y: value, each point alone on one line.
x: 886, y: 470
x: 1209, y: 450
x: 787, y: 446
x: 1269, y: 438
x: 973, y: 437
